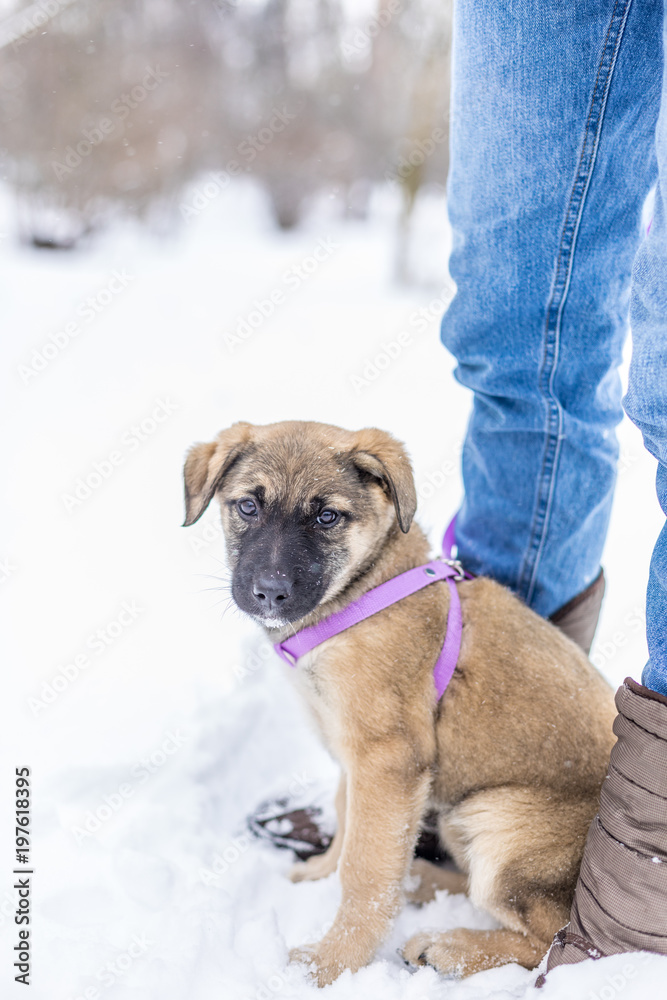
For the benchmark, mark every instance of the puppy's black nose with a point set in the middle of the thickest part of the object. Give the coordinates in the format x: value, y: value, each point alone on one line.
x: 272, y: 591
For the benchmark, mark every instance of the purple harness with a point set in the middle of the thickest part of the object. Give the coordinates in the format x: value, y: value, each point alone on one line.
x: 382, y: 597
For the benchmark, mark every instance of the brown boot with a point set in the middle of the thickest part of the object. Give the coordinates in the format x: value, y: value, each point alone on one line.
x: 578, y: 618
x: 620, y: 903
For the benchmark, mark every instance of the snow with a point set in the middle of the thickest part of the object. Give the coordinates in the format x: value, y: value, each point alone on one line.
x: 154, y: 718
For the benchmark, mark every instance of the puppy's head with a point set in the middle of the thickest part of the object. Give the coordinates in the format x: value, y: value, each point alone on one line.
x: 305, y: 509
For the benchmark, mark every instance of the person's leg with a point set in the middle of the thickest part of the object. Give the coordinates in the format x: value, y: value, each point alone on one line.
x: 553, y: 118
x: 619, y: 902
x: 646, y: 401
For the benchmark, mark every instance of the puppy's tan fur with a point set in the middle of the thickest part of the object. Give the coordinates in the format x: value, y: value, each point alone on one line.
x: 512, y: 758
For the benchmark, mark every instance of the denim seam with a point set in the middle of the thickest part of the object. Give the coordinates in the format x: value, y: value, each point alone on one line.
x: 561, y: 282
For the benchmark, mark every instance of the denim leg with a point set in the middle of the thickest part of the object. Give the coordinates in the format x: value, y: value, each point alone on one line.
x: 554, y: 108
x: 646, y: 401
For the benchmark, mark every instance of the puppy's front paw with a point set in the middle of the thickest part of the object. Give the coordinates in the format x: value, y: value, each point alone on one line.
x: 323, y: 968
x: 319, y: 866
x: 463, y: 951
x: 302, y: 956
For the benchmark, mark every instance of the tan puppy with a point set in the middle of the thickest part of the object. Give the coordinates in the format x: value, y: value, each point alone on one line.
x: 513, y: 756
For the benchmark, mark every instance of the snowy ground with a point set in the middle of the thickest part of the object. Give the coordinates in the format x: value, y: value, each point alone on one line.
x: 152, y: 722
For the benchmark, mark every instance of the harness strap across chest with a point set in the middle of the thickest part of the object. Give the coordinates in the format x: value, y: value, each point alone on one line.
x: 384, y: 596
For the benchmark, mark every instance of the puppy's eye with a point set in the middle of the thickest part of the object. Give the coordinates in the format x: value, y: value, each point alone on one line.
x: 327, y: 517
x: 247, y: 507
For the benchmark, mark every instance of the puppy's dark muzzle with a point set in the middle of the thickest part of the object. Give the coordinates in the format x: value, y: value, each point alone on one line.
x: 279, y: 572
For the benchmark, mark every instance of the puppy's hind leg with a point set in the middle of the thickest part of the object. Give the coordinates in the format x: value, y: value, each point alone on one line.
x: 432, y: 878
x: 323, y: 865
x: 522, y: 847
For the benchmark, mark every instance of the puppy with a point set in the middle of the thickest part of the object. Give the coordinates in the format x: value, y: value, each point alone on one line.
x: 512, y: 757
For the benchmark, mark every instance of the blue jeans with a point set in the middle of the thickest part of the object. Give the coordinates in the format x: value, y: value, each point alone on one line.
x: 559, y: 131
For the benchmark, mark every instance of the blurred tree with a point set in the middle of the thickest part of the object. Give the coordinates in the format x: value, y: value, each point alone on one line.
x: 111, y: 107
x: 114, y: 105
x: 417, y: 45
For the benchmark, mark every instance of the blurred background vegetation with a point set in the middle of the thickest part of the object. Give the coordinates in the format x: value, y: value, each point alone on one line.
x: 114, y: 108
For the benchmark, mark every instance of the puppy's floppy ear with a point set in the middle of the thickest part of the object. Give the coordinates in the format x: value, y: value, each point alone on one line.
x: 207, y: 464
x: 381, y: 455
